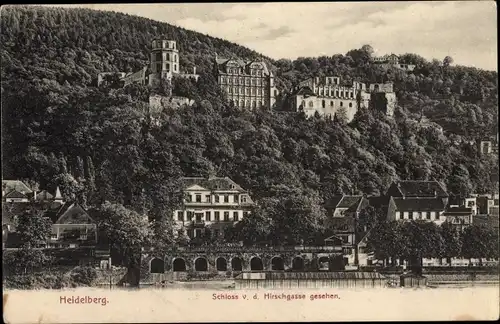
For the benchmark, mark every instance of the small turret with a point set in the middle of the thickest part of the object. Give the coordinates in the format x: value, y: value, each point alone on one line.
x: 58, y: 197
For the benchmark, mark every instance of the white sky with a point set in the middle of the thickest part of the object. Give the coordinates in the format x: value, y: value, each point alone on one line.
x: 465, y: 30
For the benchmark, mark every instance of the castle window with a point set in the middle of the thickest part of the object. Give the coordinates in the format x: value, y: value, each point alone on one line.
x: 260, y: 103
x: 323, y: 104
x: 336, y: 93
x: 331, y: 103
x: 248, y: 103
x: 226, y: 216
x: 311, y: 104
x: 247, y: 90
x: 229, y: 80
x: 168, y: 57
x: 180, y: 216
x: 241, y: 90
x: 247, y: 81
x: 167, y: 67
x: 341, y: 104
x: 217, y: 216
x: 350, y: 104
x: 235, y: 91
x: 235, y: 216
x: 321, y: 92
x: 158, y: 67
x: 208, y: 216
x: 175, y: 68
x: 254, y: 104
x: 230, y: 90
x: 242, y: 103
x: 223, y: 80
x: 253, y: 91
x: 241, y: 80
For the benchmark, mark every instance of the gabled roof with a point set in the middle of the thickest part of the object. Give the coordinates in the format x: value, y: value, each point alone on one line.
x: 418, y: 188
x: 9, y: 185
x: 44, y: 195
x: 343, y: 201
x: 15, y: 194
x: 418, y: 204
x: 379, y: 201
x: 213, y: 184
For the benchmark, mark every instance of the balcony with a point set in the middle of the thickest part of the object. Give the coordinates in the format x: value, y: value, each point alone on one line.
x: 198, y: 223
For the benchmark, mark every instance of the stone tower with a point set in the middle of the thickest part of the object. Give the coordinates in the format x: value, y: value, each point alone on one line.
x: 164, y: 61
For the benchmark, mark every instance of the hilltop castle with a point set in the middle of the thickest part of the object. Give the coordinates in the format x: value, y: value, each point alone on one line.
x: 164, y: 63
x: 326, y: 96
x: 248, y: 84
x: 392, y: 60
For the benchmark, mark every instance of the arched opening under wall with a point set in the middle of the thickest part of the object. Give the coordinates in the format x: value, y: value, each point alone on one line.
x: 236, y: 264
x: 201, y: 264
x: 157, y: 266
x: 298, y: 264
x: 179, y: 265
x: 324, y: 263
x: 221, y: 264
x: 277, y: 263
x: 256, y: 264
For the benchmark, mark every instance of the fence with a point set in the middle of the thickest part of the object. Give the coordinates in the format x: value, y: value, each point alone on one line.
x: 310, y: 280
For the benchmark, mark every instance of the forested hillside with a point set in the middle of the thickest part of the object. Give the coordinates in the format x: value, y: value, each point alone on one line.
x: 98, y: 144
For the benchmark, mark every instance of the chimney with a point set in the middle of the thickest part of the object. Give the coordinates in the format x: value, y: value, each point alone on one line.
x: 194, y: 69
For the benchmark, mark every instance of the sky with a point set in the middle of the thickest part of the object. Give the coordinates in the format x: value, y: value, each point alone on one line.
x: 464, y: 30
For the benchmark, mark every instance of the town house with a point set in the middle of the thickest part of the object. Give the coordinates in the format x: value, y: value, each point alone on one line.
x: 211, y: 205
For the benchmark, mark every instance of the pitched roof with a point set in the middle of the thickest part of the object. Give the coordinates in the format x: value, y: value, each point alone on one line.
x: 44, y: 195
x: 9, y: 185
x: 418, y: 188
x: 379, y: 201
x: 15, y: 194
x: 213, y: 184
x: 418, y: 204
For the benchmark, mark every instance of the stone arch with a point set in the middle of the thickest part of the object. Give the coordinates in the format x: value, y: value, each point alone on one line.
x: 324, y: 263
x: 277, y: 263
x: 200, y: 264
x: 179, y: 265
x: 221, y: 264
x: 156, y: 265
x: 298, y: 264
x: 256, y: 264
x: 237, y: 264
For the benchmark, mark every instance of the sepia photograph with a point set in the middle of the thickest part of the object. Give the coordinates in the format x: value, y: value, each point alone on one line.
x: 250, y: 162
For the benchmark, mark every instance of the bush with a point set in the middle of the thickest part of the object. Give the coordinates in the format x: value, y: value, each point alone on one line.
x: 83, y: 276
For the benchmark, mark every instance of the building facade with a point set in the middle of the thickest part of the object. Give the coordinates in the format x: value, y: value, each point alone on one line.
x: 392, y: 60
x: 248, y: 84
x: 327, y: 97
x: 210, y: 206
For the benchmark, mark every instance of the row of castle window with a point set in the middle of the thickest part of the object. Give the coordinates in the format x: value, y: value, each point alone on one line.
x: 208, y: 216
x: 242, y: 71
x: 329, y: 93
x: 166, y: 57
x: 323, y: 104
x: 242, y: 81
x: 247, y: 91
x: 165, y: 67
x: 254, y: 104
x: 208, y: 198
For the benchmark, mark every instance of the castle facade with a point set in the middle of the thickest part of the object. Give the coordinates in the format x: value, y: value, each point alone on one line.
x: 248, y: 84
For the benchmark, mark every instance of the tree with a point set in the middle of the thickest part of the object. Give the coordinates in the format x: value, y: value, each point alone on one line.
x: 452, y: 241
x: 126, y: 230
x: 447, y: 61
x: 33, y: 228
x: 255, y: 227
x: 479, y: 242
x: 387, y: 240
x: 367, y: 49
x: 424, y: 241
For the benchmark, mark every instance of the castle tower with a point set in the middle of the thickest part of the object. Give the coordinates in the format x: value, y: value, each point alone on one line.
x: 164, y: 61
